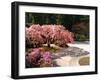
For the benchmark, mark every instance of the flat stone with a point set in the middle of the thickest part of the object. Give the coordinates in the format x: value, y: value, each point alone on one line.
x: 71, y: 51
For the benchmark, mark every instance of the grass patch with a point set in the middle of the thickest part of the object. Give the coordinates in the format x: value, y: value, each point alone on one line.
x: 44, y: 48
x: 51, y: 49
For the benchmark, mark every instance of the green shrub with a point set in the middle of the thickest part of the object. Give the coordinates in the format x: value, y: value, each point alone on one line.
x: 80, y: 37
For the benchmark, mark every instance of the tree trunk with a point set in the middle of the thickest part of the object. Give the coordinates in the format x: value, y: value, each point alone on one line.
x: 47, y: 19
x: 58, y: 20
x: 48, y: 43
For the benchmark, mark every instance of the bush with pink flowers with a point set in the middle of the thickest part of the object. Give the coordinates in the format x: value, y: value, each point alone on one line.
x: 38, y: 58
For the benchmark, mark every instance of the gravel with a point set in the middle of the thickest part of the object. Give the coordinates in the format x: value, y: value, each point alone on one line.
x: 70, y: 51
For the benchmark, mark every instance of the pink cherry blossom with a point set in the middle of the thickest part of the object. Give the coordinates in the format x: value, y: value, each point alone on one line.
x: 48, y: 34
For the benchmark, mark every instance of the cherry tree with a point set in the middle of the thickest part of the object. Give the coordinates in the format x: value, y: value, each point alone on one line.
x: 48, y: 34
